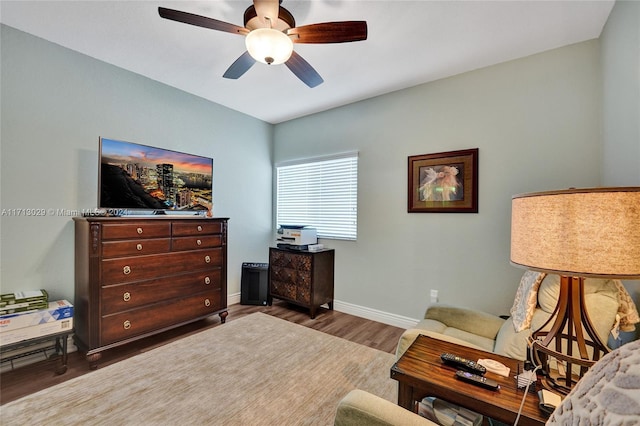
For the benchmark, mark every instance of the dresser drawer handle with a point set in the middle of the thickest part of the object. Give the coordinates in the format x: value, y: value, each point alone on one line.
x: 139, y: 247
x: 126, y: 296
x: 126, y: 270
x: 199, y: 242
x: 126, y: 325
x: 207, y: 259
x: 207, y: 302
x: 207, y: 280
x: 139, y: 230
x: 199, y: 228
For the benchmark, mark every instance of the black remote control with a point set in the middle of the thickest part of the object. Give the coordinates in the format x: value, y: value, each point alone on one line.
x: 463, y: 363
x: 477, y: 380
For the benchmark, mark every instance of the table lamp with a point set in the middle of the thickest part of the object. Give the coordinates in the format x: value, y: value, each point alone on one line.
x: 577, y: 234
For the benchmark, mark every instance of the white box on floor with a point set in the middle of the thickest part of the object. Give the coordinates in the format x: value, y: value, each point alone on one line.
x: 57, y: 310
x: 40, y: 330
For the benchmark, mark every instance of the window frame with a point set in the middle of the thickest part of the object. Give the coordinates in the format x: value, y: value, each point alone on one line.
x: 344, y: 231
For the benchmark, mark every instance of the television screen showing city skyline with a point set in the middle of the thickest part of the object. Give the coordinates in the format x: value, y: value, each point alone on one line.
x: 134, y: 176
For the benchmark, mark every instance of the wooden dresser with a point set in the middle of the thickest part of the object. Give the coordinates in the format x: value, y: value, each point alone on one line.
x: 301, y: 277
x: 135, y: 277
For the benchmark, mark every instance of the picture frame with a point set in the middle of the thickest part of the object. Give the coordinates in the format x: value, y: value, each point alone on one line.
x: 444, y: 182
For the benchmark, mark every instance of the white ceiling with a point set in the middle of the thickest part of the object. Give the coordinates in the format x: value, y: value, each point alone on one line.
x: 409, y: 43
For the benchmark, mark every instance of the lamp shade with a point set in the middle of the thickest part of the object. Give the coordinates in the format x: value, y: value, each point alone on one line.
x: 592, y: 232
x: 269, y: 46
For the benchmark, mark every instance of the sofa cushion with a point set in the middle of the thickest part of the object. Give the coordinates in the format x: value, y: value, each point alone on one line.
x: 601, y: 300
x: 473, y: 340
x: 601, y: 308
x: 407, y: 338
x: 462, y: 326
x: 468, y: 320
x: 550, y: 291
x: 512, y: 343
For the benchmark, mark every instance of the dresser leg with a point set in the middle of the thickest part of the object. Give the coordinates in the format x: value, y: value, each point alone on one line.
x: 223, y: 316
x: 93, y: 360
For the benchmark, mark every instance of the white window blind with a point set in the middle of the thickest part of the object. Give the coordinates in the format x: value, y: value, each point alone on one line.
x: 320, y: 193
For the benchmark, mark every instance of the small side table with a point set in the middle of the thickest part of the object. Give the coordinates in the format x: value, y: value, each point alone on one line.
x: 301, y: 277
x: 23, y: 348
x: 420, y: 372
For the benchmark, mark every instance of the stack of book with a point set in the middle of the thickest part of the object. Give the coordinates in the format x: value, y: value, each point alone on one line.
x: 446, y: 414
x: 23, y: 301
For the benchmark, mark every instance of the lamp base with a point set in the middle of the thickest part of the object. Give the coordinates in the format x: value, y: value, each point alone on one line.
x: 571, y: 331
x: 561, y: 373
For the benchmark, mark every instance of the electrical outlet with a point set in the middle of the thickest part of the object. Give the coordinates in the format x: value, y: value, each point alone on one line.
x: 434, y: 296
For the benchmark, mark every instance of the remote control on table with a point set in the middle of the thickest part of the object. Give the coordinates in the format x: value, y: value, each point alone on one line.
x: 477, y: 380
x: 463, y: 363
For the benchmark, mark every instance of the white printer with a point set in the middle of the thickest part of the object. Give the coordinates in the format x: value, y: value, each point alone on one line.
x: 297, y: 235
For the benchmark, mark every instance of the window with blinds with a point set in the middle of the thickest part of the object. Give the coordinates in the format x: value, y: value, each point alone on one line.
x: 320, y: 193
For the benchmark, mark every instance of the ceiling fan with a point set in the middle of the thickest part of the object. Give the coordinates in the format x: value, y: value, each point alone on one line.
x: 270, y: 32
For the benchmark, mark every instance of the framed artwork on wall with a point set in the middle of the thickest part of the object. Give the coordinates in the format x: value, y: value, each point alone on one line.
x: 445, y: 182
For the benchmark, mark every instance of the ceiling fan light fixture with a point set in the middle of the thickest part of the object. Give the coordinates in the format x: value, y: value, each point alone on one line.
x: 269, y: 46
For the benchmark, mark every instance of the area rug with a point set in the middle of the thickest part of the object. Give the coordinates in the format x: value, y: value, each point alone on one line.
x: 255, y: 370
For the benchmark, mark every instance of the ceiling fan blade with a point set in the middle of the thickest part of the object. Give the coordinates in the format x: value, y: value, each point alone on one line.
x: 267, y: 11
x: 201, y: 21
x: 303, y: 70
x: 330, y: 32
x: 240, y: 66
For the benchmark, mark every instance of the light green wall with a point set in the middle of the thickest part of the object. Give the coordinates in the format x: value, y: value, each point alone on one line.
x: 620, y: 42
x: 536, y: 122
x: 620, y: 58
x: 55, y: 103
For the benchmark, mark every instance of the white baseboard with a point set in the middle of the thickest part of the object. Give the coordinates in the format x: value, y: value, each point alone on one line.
x: 233, y: 299
x: 357, y: 310
x: 374, y: 314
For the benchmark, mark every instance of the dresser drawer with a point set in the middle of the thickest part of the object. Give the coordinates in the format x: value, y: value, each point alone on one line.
x: 123, y: 231
x: 283, y: 289
x: 288, y: 275
x: 300, y: 262
x: 192, y: 243
x: 291, y: 291
x: 196, y: 228
x: 132, y: 323
x: 135, y: 247
x: 138, y: 268
x: 122, y: 297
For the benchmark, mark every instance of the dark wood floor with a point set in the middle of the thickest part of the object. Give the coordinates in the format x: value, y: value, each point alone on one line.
x: 32, y: 378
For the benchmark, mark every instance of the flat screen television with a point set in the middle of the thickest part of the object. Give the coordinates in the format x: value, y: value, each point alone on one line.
x: 134, y: 177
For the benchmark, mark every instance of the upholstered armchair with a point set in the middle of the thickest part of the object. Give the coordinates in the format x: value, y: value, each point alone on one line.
x: 361, y: 408
x: 608, y: 306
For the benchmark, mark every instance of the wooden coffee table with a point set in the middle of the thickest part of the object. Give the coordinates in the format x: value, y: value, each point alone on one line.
x: 420, y: 373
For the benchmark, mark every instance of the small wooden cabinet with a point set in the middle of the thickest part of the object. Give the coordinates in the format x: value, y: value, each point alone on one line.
x: 140, y: 276
x: 301, y: 277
